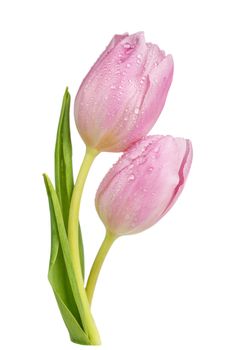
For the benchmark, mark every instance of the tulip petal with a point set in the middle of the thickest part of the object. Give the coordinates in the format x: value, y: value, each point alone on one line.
x: 144, y: 184
x: 123, y: 94
x: 183, y: 173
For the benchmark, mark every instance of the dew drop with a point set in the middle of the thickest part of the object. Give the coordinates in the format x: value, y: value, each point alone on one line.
x: 113, y: 87
x: 127, y: 46
x: 156, y: 149
x: 131, y: 177
x: 128, y: 65
x: 127, y: 216
x: 138, y: 61
x: 136, y: 111
x: 151, y: 169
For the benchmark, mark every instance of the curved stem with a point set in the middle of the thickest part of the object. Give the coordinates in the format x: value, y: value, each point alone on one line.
x: 73, y: 222
x: 96, y: 267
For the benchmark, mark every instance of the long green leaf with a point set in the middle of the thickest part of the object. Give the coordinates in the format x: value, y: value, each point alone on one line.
x: 61, y: 273
x: 63, y: 159
x: 64, y: 183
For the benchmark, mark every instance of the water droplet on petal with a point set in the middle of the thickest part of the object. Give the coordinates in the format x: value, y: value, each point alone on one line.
x: 137, y: 110
x: 150, y: 169
x: 138, y: 59
x: 131, y: 177
x: 142, y: 80
x: 128, y: 65
x: 127, y: 46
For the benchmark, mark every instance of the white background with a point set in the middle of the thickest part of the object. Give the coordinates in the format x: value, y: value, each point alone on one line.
x: 170, y: 287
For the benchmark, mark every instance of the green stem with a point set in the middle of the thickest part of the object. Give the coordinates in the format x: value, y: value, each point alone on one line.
x: 95, y: 270
x: 73, y: 222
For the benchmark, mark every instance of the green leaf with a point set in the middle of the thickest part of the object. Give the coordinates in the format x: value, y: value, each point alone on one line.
x: 61, y: 274
x: 63, y: 159
x: 64, y: 183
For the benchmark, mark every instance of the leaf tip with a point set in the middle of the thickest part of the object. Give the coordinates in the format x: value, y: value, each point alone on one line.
x: 66, y: 93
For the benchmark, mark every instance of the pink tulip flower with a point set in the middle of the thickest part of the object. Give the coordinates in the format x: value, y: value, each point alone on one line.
x: 123, y: 94
x: 144, y: 184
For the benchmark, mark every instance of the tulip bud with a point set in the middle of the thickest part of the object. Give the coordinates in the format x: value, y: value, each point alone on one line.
x: 144, y: 184
x: 123, y: 94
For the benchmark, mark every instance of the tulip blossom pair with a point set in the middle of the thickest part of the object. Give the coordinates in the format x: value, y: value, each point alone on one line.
x: 117, y: 104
